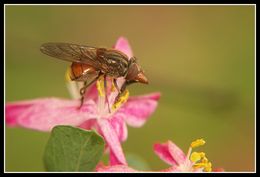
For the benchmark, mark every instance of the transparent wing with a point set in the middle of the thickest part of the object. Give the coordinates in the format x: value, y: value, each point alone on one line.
x: 72, y: 53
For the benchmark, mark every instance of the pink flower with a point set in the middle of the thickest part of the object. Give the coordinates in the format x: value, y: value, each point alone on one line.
x: 180, y: 162
x: 174, y: 156
x: 45, y: 113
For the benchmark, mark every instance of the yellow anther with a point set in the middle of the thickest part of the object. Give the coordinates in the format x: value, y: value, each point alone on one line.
x: 196, y: 156
x: 200, y: 165
x: 204, y: 160
x: 208, y: 167
x: 123, y: 98
x: 198, y: 142
x: 100, y: 86
x: 67, y: 74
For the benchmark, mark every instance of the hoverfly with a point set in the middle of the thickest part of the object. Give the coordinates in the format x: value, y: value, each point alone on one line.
x: 92, y: 61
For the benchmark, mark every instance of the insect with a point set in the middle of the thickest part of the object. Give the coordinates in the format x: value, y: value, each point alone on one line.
x: 90, y: 63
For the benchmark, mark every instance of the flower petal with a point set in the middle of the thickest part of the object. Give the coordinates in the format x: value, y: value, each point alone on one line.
x: 13, y: 110
x: 115, y: 168
x: 91, y: 93
x: 89, y: 124
x: 119, y: 126
x: 113, y: 159
x: 138, y: 109
x: 110, y: 135
x: 163, y: 152
x: 123, y: 45
x: 177, y: 154
x: 170, y: 153
x: 44, y: 114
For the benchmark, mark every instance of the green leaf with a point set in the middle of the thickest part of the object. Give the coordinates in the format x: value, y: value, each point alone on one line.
x: 72, y: 149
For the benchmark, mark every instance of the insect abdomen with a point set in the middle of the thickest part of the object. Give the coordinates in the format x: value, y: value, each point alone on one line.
x: 79, y: 70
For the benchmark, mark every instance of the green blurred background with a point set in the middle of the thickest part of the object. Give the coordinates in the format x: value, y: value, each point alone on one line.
x: 201, y: 58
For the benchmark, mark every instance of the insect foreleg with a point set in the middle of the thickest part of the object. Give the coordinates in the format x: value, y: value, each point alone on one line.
x: 115, y: 84
x: 122, y: 94
x: 123, y: 88
x: 121, y: 97
x: 105, y: 86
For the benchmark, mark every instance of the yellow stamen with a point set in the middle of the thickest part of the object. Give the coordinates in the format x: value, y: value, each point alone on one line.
x: 67, y: 74
x: 197, y: 143
x: 100, y: 86
x: 199, y: 158
x: 196, y: 156
x: 208, y: 167
x: 200, y: 165
x: 204, y: 160
x: 123, y: 98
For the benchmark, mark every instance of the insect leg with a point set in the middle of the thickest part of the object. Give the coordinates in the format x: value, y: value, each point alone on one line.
x: 105, y: 86
x: 82, y: 93
x: 83, y: 89
x: 115, y: 84
x: 120, y: 92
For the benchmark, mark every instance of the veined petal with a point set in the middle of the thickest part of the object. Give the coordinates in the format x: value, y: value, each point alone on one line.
x: 123, y: 45
x: 170, y: 153
x: 177, y: 154
x: 115, y: 168
x: 13, y: 110
x: 44, y: 114
x: 110, y: 135
x: 119, y: 126
x: 138, y: 109
x: 163, y: 152
x: 113, y: 159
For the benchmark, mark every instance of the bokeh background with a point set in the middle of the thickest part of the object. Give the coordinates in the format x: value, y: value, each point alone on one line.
x: 201, y: 58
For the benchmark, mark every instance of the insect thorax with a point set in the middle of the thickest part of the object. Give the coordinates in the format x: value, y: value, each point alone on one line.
x: 114, y: 63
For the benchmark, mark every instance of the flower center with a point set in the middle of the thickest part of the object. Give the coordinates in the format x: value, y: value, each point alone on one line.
x: 103, y: 104
x: 105, y: 107
x: 199, y: 159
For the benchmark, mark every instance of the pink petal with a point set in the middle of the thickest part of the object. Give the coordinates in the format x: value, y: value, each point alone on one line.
x: 91, y: 93
x: 177, y: 154
x: 119, y: 126
x: 13, y: 110
x: 89, y: 124
x: 110, y: 135
x: 123, y: 45
x: 115, y: 168
x: 170, y: 153
x: 113, y: 159
x: 163, y: 152
x: 44, y: 114
x: 139, y: 108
